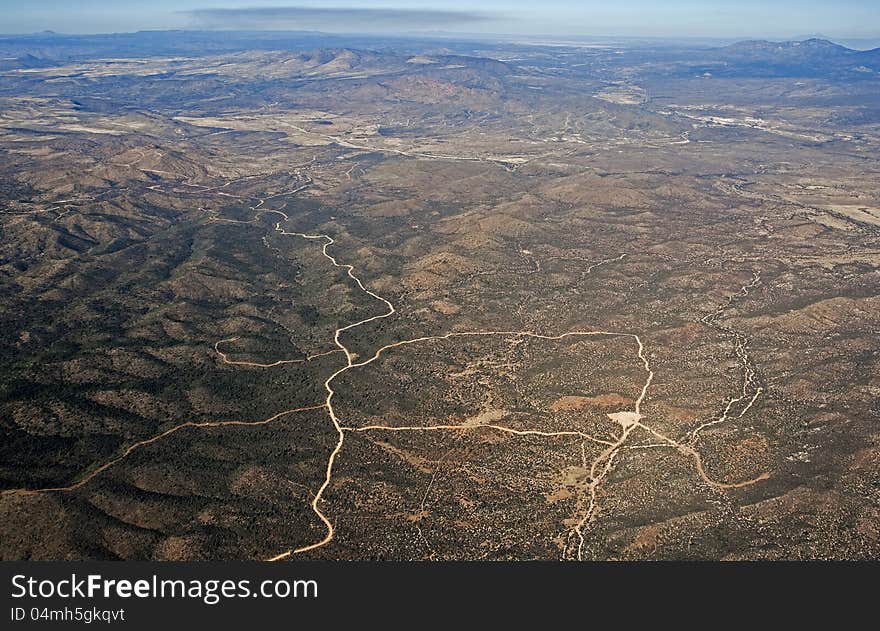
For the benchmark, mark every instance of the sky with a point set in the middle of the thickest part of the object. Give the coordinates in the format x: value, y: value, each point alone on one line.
x: 774, y: 19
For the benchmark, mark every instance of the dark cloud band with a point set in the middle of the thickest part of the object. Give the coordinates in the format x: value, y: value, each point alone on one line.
x: 349, y: 19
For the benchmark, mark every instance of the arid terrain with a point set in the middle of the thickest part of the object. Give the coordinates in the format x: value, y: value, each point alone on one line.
x: 299, y: 298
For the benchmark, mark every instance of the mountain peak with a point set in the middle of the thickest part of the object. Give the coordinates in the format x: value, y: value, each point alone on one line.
x: 811, y: 44
x: 814, y: 50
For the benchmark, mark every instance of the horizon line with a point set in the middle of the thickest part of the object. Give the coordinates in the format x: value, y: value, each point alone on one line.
x: 777, y: 38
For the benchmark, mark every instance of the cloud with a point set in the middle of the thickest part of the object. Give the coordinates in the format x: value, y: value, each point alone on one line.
x: 333, y: 19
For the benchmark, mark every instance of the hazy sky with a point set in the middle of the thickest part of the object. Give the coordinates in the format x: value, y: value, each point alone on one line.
x: 669, y: 18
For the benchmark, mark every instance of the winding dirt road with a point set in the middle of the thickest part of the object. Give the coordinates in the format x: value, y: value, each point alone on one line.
x: 85, y: 479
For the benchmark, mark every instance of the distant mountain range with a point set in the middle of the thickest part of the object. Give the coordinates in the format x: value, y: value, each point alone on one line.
x: 813, y: 57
